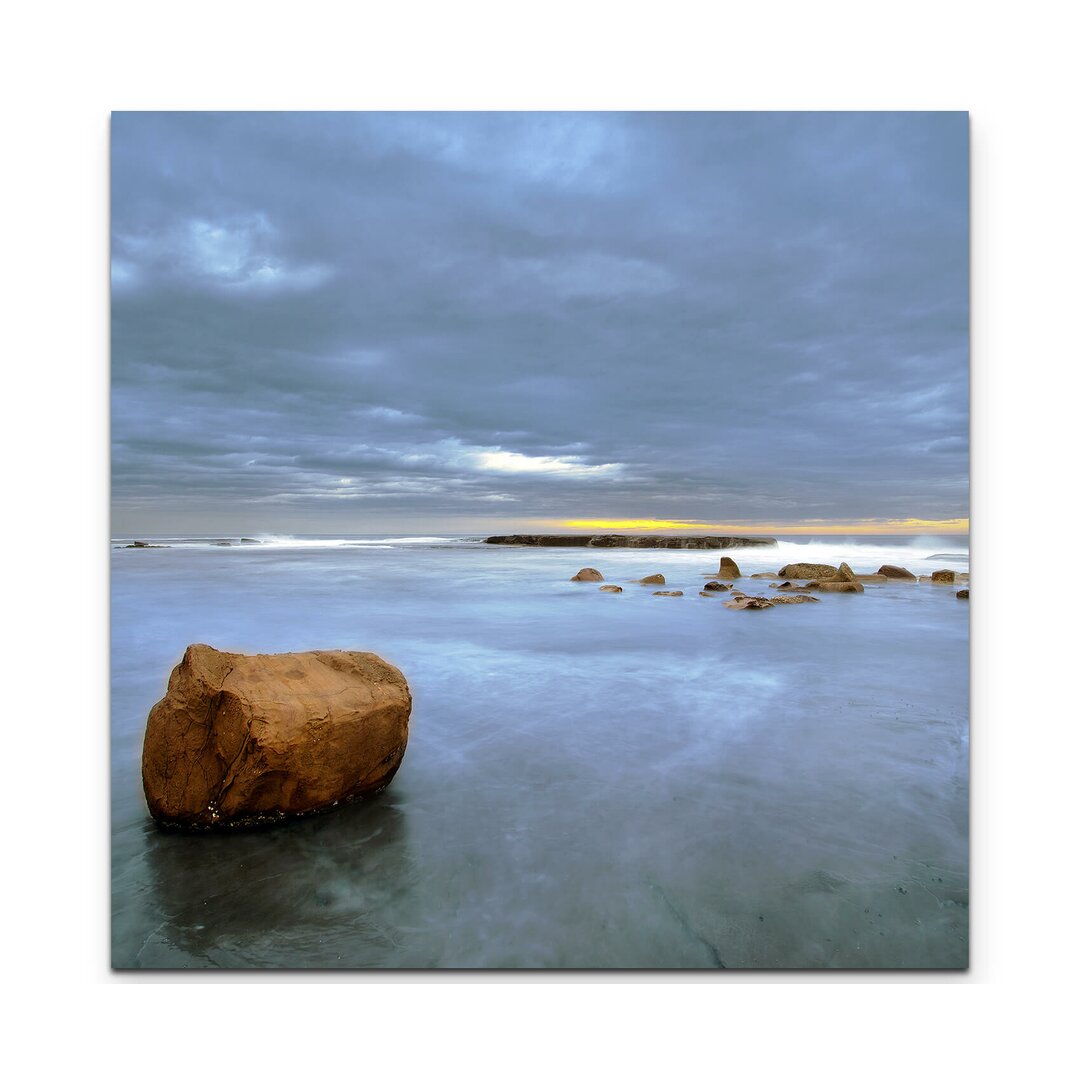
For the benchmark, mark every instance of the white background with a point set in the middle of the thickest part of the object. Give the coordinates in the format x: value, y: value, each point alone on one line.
x: 67, y: 65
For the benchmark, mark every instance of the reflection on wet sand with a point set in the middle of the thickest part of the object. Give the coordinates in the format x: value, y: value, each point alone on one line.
x: 328, y: 891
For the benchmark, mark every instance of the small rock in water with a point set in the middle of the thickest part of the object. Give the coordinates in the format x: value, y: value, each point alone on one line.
x: 611, y: 588
x: 716, y: 586
x: 747, y: 603
x: 587, y: 573
x: 652, y: 579
x: 961, y: 594
x: 810, y: 572
x: 897, y: 573
x: 943, y: 577
x: 835, y: 586
x: 674, y: 592
x: 767, y: 574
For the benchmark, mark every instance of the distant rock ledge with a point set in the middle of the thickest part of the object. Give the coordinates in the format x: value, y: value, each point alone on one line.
x: 612, y: 540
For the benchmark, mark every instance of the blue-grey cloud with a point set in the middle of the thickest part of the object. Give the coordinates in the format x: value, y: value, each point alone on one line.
x: 344, y: 322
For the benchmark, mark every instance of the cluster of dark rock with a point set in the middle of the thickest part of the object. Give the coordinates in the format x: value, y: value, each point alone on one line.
x: 609, y: 540
x: 814, y: 577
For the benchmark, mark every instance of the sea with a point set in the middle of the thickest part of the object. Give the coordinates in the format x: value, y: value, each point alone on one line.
x: 592, y: 780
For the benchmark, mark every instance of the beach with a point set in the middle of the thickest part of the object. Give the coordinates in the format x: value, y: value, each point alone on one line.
x: 591, y: 780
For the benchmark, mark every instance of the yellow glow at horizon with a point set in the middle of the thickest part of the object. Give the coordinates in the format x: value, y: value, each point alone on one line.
x: 913, y: 525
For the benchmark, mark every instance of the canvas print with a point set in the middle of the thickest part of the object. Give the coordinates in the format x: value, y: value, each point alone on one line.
x: 539, y: 540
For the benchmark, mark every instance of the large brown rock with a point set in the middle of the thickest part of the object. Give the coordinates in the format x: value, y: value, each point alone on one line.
x: 898, y: 573
x: 729, y: 569
x: 587, y: 573
x: 243, y: 740
x: 846, y: 573
x: 943, y: 577
x: 804, y: 571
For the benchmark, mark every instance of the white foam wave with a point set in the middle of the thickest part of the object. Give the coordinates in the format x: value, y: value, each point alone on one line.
x: 348, y: 541
x: 861, y: 551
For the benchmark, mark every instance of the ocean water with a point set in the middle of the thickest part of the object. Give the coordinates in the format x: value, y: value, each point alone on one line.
x: 592, y: 780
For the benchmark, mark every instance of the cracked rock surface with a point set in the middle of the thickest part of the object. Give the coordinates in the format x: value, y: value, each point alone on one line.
x: 246, y: 740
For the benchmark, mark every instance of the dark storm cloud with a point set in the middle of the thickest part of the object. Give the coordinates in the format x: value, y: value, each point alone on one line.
x: 349, y: 320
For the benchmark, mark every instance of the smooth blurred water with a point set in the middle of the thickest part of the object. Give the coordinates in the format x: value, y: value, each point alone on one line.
x: 592, y: 780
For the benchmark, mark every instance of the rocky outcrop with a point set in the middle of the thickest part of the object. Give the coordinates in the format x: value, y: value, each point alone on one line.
x: 618, y: 540
x: 587, y: 573
x: 611, y: 588
x: 673, y: 592
x: 846, y: 573
x: 652, y: 579
x: 810, y: 572
x: 896, y: 573
x: 245, y: 740
x: 943, y: 577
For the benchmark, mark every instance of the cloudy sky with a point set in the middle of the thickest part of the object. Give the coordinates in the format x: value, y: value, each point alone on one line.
x: 371, y: 322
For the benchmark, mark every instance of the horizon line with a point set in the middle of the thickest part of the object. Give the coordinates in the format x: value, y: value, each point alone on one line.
x: 867, y: 526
